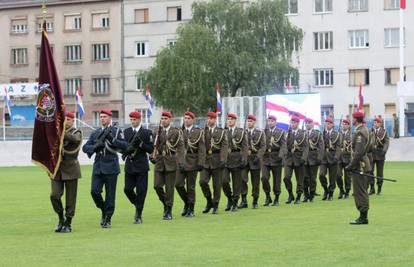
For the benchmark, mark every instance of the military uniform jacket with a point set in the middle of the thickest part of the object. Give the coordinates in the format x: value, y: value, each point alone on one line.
x: 170, y: 151
x: 195, y: 148
x: 106, y: 160
x: 257, y: 145
x: 216, y: 147
x: 316, y: 147
x: 238, y: 148
x: 332, y: 147
x: 138, y: 161
x: 69, y: 168
x: 381, y: 143
x: 296, y: 148
x: 361, y: 142
x: 275, y: 141
x: 346, y: 146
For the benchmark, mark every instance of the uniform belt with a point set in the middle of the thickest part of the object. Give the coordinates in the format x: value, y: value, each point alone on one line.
x: 236, y: 150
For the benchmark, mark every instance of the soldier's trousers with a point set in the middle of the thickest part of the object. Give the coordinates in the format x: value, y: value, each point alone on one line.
x: 58, y: 187
x: 379, y: 165
x: 333, y: 173
x: 347, y: 177
x: 277, y: 178
x: 360, y: 184
x: 309, y: 180
x: 205, y: 176
x: 236, y: 178
x: 136, y: 187
x: 255, y: 180
x: 185, y: 183
x: 98, y: 182
x: 299, y: 172
x: 165, y: 179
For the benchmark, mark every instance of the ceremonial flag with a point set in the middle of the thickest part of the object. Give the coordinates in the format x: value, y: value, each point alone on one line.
x: 402, y: 4
x: 49, y: 122
x: 361, y: 98
x: 218, y: 106
x: 79, y: 103
x: 7, y: 100
x: 149, y: 100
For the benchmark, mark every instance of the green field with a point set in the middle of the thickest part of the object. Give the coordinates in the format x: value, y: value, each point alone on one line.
x: 316, y: 234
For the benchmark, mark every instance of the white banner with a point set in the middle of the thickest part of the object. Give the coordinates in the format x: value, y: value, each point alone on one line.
x: 19, y: 89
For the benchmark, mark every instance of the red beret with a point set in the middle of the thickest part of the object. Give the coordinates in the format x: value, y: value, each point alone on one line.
x: 346, y: 121
x: 378, y: 119
x: 70, y: 114
x: 166, y: 114
x: 232, y: 116
x: 106, y: 112
x: 358, y: 114
x: 329, y: 119
x: 189, y: 114
x: 295, y: 118
x: 308, y: 120
x: 135, y: 114
x: 212, y: 114
x: 251, y: 117
x: 271, y: 117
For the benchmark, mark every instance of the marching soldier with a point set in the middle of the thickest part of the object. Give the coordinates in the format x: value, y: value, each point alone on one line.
x: 105, y: 142
x: 67, y: 176
x: 380, y: 146
x: 217, y: 149
x: 194, y: 160
x: 314, y: 159
x: 358, y: 166
x: 256, y: 140
x: 295, y: 153
x: 236, y: 161
x: 168, y: 157
x: 272, y: 160
x: 344, y: 160
x: 332, y: 140
x: 140, y: 144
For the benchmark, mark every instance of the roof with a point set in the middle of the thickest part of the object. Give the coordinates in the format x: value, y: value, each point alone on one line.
x: 12, y: 4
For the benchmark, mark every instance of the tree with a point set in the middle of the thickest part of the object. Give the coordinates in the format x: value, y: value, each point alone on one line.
x: 247, y: 49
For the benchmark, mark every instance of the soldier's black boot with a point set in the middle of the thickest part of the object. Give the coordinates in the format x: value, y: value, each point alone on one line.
x: 291, y: 198
x: 107, y: 222
x: 306, y: 196
x: 254, y: 204
x: 297, y: 201
x: 183, y: 194
x: 325, y: 193
x: 102, y: 216
x: 276, y: 201
x: 330, y: 195
x: 341, y: 193
x: 60, y: 224
x: 138, y: 218
x: 229, y: 204
x: 168, y: 214
x: 215, y: 208
x: 67, y: 228
x: 311, y: 196
x: 234, y: 205
x: 243, y: 203
x: 268, y: 200
x: 363, y: 219
x: 346, y: 194
x: 190, y: 210
x: 379, y: 190
x: 208, y: 206
x: 372, y: 190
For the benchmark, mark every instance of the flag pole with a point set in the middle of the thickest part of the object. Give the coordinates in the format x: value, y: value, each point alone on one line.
x: 146, y: 118
x: 4, y: 120
x: 401, y: 99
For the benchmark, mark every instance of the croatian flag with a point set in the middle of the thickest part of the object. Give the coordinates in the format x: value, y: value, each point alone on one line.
x: 79, y: 104
x: 7, y: 100
x: 361, y: 98
x: 149, y: 100
x: 218, y: 106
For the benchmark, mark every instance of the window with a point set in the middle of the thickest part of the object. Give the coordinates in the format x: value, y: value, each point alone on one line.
x: 174, y: 13
x: 358, y: 76
x: 365, y: 109
x: 100, y: 52
x: 73, y: 22
x: 139, y: 82
x: 322, y: 6
x: 323, y: 41
x: 357, y: 5
x: 100, y: 86
x: 291, y: 7
x: 19, y: 56
x: 142, y: 49
x: 358, y: 39
x: 327, y: 111
x: 392, y: 37
x: 38, y: 53
x: 100, y: 20
x: 96, y: 120
x: 390, y: 109
x: 115, y: 115
x: 73, y: 53
x: 49, y: 24
x: 19, y: 80
x: 144, y: 114
x: 71, y: 85
x: 323, y: 77
x: 141, y: 15
x: 171, y: 42
x: 392, y: 76
x: 19, y: 25
x: 391, y: 4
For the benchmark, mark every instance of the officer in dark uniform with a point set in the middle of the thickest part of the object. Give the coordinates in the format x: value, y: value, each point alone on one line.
x: 140, y: 144
x: 344, y: 159
x: 105, y: 142
x: 193, y: 138
x: 67, y: 176
x: 381, y: 143
x: 236, y: 161
x: 272, y: 160
x: 168, y: 157
x: 256, y: 140
x: 295, y: 153
x: 216, y: 157
x: 314, y: 159
x: 359, y: 165
x: 332, y: 141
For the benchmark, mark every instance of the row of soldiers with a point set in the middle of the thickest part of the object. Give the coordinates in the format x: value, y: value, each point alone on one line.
x: 226, y: 156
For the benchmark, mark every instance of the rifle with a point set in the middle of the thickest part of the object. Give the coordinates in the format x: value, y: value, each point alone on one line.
x: 340, y: 124
x: 135, y: 142
x: 374, y: 177
x: 156, y: 143
x: 101, y: 138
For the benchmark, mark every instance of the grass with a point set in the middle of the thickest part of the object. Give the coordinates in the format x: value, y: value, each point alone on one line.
x: 314, y: 234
